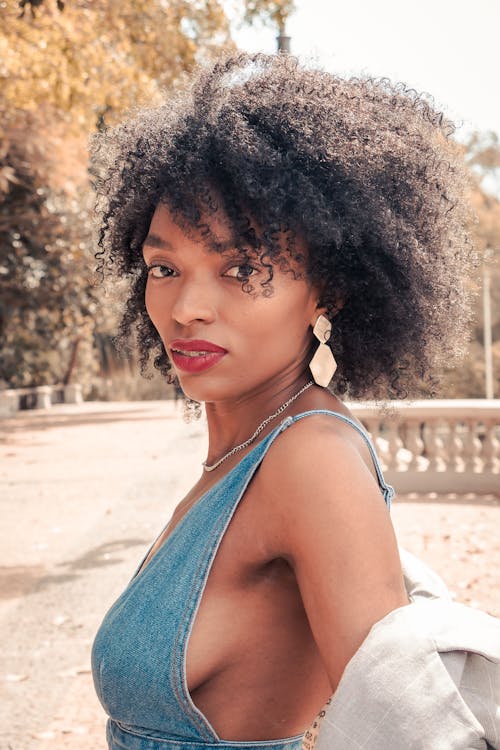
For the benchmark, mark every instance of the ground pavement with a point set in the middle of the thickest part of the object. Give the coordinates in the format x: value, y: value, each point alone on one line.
x: 83, y: 490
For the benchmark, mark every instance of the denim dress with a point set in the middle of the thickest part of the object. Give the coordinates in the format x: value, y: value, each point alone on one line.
x: 139, y: 653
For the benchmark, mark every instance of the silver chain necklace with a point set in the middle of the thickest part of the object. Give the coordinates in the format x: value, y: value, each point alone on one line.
x: 259, y: 429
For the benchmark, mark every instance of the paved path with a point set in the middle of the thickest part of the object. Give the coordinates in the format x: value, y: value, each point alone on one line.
x: 83, y: 490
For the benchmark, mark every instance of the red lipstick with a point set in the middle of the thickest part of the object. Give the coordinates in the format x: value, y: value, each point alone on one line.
x: 195, y: 355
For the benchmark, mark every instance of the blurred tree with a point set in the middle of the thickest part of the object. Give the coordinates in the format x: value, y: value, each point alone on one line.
x: 47, y: 302
x: 97, y: 58
x: 275, y: 12
x: 67, y: 68
x: 482, y: 154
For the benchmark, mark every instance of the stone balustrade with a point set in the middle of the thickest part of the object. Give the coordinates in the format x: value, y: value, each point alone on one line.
x: 436, y: 446
x: 39, y: 397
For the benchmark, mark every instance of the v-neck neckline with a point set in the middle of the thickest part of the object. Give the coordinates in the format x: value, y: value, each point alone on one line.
x: 143, y: 565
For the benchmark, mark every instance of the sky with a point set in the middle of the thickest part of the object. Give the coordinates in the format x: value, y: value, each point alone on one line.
x: 450, y: 50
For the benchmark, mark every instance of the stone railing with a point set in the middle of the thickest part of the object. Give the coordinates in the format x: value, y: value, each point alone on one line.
x: 437, y: 446
x: 40, y: 397
x: 424, y: 446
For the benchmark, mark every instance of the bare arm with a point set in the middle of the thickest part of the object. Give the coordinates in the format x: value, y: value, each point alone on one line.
x: 329, y: 520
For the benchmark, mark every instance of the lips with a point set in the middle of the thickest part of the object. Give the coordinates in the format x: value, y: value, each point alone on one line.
x: 196, y: 345
x: 195, y: 355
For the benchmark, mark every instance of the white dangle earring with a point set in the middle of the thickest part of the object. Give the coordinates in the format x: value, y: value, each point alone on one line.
x: 323, y: 364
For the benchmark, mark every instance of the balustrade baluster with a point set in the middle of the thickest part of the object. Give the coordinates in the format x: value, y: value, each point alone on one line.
x: 491, y: 449
x: 454, y: 447
x: 415, y: 445
x: 394, y: 444
x: 434, y: 447
x: 472, y: 447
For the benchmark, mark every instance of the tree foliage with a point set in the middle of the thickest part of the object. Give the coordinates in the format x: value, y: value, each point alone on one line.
x: 275, y: 12
x: 48, y: 300
x: 97, y: 58
x: 68, y: 67
x: 482, y: 154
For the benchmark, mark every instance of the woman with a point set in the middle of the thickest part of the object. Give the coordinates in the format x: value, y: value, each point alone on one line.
x: 273, y: 219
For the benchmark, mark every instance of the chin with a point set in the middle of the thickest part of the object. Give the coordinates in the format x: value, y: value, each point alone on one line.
x: 204, y: 388
x: 196, y: 390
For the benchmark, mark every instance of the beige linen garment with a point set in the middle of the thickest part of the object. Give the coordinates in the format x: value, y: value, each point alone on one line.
x: 427, y: 677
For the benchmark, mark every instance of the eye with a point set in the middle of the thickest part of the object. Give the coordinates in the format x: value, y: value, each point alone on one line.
x: 160, y: 271
x: 241, y: 271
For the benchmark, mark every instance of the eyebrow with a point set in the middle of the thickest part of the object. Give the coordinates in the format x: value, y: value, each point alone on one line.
x: 153, y: 240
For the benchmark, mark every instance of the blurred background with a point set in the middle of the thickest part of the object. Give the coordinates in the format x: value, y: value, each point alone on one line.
x: 71, y: 67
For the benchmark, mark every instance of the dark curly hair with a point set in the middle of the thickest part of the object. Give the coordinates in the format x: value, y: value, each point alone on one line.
x: 363, y: 172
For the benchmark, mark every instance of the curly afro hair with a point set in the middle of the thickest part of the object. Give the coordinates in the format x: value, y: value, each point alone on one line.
x: 362, y: 172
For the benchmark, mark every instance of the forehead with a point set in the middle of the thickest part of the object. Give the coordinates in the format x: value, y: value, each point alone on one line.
x: 167, y: 231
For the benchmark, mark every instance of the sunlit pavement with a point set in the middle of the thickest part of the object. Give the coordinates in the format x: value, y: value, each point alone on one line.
x: 83, y: 490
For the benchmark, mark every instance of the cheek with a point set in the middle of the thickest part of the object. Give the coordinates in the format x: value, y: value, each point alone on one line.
x: 154, y: 308
x: 282, y: 322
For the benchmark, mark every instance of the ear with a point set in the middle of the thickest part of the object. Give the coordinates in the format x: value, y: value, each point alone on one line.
x: 320, y: 310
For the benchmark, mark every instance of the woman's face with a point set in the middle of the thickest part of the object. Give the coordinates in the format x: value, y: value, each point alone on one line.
x: 223, y: 343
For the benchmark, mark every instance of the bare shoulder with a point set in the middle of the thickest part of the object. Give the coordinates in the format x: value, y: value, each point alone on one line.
x: 320, y: 465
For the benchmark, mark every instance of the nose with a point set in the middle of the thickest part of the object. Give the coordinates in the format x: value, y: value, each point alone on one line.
x: 194, y: 302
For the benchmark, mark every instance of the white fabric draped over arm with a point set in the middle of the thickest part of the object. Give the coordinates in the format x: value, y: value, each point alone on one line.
x: 427, y: 677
